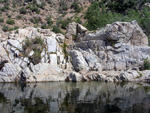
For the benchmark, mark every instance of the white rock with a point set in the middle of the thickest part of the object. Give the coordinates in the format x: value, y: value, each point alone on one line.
x: 53, y: 59
x: 51, y: 45
x: 78, y: 61
x: 15, y: 44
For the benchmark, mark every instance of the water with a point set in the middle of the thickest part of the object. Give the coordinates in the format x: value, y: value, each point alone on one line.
x: 87, y: 97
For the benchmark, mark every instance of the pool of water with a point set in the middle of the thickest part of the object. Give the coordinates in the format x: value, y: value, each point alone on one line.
x: 86, y: 97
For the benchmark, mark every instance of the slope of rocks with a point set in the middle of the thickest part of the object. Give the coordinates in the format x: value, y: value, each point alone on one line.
x: 113, y: 53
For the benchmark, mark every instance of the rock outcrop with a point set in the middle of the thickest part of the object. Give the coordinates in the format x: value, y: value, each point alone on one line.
x: 113, y: 53
x: 118, y: 47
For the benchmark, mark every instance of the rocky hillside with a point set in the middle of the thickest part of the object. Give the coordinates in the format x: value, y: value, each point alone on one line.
x: 16, y: 14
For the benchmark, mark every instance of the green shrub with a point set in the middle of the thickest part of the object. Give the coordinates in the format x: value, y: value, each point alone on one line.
x: 4, y: 1
x: 5, y: 28
x: 44, y: 26
x: 64, y: 47
x: 49, y: 21
x: 146, y: 64
x: 76, y: 7
x: 78, y: 20
x: 35, y: 20
x: 22, y: 10
x: 34, y: 8
x: 98, y: 15
x: 1, y: 20
x: 10, y: 21
x: 18, y: 17
x: 63, y: 6
x: 4, y: 8
x: 121, y: 6
x: 64, y: 23
x: 37, y: 45
x: 56, y: 29
x: 42, y: 5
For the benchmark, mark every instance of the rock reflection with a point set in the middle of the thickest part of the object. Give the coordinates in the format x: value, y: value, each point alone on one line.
x: 92, y: 97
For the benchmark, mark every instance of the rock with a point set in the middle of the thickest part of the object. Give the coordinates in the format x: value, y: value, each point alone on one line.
x: 46, y: 72
x: 72, y: 28
x: 53, y: 59
x: 147, y: 4
x: 78, y: 61
x: 38, y: 2
x: 31, y: 53
x: 92, y: 61
x: 15, y: 44
x: 128, y: 75
x: 126, y: 32
x: 60, y: 38
x: 144, y: 76
x: 81, y: 29
x: 3, y: 54
x: 11, y: 69
x: 51, y: 45
x: 74, y: 77
x: 9, y: 73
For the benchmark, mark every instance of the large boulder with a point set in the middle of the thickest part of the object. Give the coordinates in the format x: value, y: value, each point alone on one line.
x: 120, y: 32
x: 126, y: 32
x: 44, y: 72
x: 3, y: 54
x: 78, y: 61
x: 10, y: 73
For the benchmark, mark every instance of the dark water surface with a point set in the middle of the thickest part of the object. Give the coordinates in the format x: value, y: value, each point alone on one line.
x: 88, y: 97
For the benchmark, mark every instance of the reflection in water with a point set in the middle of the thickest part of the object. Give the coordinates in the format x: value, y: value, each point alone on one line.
x: 89, y: 97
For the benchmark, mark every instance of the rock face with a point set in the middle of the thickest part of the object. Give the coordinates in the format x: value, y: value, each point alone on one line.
x: 113, y: 53
x: 118, y: 47
x: 52, y: 62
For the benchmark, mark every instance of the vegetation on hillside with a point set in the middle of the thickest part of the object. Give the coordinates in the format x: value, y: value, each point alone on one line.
x: 108, y: 11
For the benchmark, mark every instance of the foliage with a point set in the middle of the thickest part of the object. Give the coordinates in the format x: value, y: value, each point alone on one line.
x: 100, y: 13
x: 35, y: 20
x: 4, y: 8
x: 76, y: 7
x: 5, y: 28
x: 1, y: 20
x: 56, y: 29
x: 78, y: 20
x: 22, y: 10
x: 49, y: 21
x: 64, y: 47
x: 146, y: 64
x: 33, y: 8
x: 63, y: 6
x: 10, y: 21
x: 121, y: 6
x: 64, y: 23
x: 37, y: 45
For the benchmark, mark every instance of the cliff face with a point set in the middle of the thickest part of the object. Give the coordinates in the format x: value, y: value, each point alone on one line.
x: 116, y: 52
